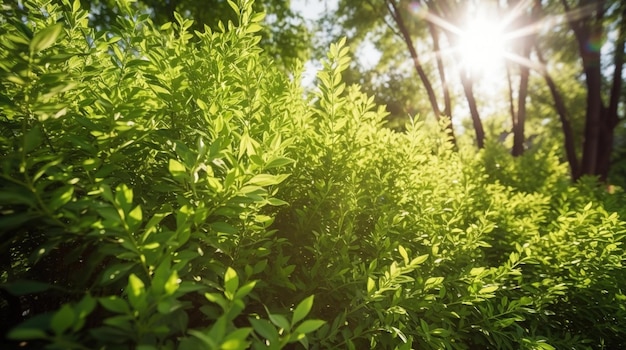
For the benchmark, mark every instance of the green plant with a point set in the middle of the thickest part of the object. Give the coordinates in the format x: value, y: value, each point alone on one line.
x: 164, y: 189
x: 136, y: 163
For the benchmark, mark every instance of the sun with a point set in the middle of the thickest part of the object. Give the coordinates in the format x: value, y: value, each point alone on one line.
x: 482, y: 46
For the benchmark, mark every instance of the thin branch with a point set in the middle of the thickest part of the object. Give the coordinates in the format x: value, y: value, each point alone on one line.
x: 395, y: 13
x: 389, y: 26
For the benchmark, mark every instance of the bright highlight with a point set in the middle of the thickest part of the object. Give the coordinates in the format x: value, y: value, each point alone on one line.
x: 482, y: 46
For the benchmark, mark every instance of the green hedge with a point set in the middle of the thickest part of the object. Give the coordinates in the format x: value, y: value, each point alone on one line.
x: 168, y: 189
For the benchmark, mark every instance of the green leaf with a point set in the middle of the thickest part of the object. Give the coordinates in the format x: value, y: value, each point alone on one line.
x: 119, y: 321
x: 114, y: 304
x: 253, y: 28
x: 266, y: 180
x: 371, y: 284
x: 208, y: 342
x: 23, y: 287
x: 159, y: 90
x: 420, y: 259
x: 279, y: 321
x: 76, y: 6
x: 245, y: 290
x: 32, y: 139
x: 234, y: 6
x: 85, y: 307
x: 62, y: 319
x: 432, y: 282
x: 278, y: 162
x: 236, y: 340
x: 114, y: 272
x: 223, y: 227
x: 276, y: 202
x: 476, y: 271
x: 172, y: 283
x: 135, y: 291
x: 231, y: 283
x: 218, y: 329
x: 134, y: 218
x: 440, y: 332
x: 487, y: 290
x: 177, y: 169
x: 45, y: 37
x: 124, y: 197
x: 309, y: 326
x: 403, y: 254
x: 264, y: 328
x: 218, y: 299
x: 302, y: 310
x: 26, y: 334
x: 60, y: 197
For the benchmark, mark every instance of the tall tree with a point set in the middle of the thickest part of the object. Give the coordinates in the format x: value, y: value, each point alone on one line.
x: 594, y: 24
x: 285, y: 35
x: 397, y: 17
x: 588, y: 23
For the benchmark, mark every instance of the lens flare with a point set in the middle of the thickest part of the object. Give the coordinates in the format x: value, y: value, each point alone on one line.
x: 595, y: 43
x: 482, y: 45
x: 418, y: 9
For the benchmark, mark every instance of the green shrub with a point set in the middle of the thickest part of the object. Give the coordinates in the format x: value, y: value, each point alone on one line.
x: 136, y: 163
x: 168, y: 189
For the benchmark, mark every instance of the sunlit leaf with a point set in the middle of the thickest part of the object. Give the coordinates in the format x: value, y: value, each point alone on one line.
x: 46, y: 37
x: 231, y: 283
x: 403, y: 254
x: 487, y: 290
x: 303, y: 308
x: 309, y: 326
x: 135, y: 291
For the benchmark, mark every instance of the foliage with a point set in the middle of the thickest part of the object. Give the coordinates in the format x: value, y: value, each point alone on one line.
x: 163, y: 189
x: 136, y: 163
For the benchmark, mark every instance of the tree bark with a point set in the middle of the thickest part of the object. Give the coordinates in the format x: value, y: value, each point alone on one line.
x: 468, y: 90
x: 612, y: 117
x: 525, y: 44
x: 561, y: 110
x: 452, y: 16
x: 584, y: 29
x: 397, y: 16
x: 511, y: 100
x: 447, y: 111
x: 520, y: 120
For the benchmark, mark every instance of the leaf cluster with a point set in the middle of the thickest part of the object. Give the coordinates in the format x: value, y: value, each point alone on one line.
x: 166, y: 188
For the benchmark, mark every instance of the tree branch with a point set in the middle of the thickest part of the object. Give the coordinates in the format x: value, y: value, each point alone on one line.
x: 395, y: 14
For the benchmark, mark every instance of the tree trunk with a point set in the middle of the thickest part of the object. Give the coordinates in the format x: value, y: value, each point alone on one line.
x: 511, y: 100
x: 525, y: 44
x: 468, y: 90
x: 447, y: 111
x: 520, y: 121
x: 452, y: 12
x: 440, y: 68
x: 612, y: 117
x: 566, y: 126
x: 585, y: 29
x: 395, y: 13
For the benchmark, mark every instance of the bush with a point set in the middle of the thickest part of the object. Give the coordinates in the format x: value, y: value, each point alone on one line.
x: 166, y: 189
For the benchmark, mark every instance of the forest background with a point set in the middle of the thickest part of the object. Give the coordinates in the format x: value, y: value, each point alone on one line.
x: 451, y: 178
x: 533, y: 71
